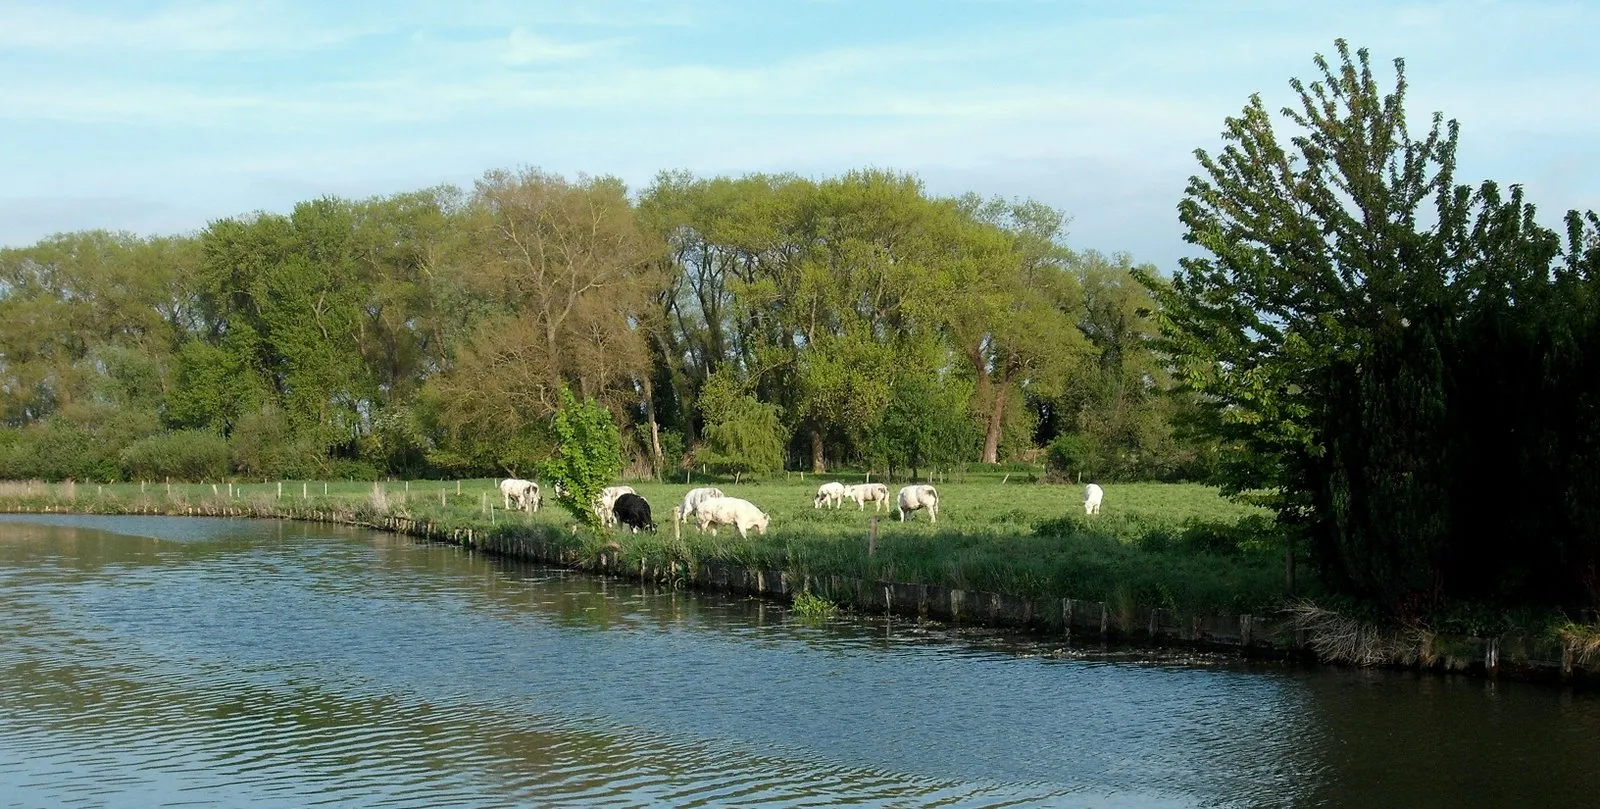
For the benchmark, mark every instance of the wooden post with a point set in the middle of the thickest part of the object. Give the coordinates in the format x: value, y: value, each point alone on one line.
x: 141, y: 487
x: 280, y: 490
x: 677, y: 522
x: 872, y: 537
x: 303, y: 491
x: 230, y: 489
x: 213, y: 490
x: 441, y: 495
x: 458, y: 488
x: 324, y: 488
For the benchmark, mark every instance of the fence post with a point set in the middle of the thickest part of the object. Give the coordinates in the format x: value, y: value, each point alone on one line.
x: 872, y: 537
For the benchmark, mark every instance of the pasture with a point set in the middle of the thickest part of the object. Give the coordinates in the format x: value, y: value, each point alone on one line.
x: 1178, y: 546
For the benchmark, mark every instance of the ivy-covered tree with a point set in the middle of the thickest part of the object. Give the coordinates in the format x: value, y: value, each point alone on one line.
x: 588, y: 456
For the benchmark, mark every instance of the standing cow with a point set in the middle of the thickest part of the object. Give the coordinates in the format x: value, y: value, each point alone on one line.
x: 915, y: 498
x: 524, y: 492
x: 694, y: 498
x: 633, y: 511
x: 608, y: 498
x: 830, y: 495
x: 741, y: 514
x: 863, y: 493
x: 1092, y: 495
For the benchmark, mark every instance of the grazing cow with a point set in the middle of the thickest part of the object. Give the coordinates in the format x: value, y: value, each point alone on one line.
x: 741, y: 514
x: 863, y: 493
x: 524, y: 492
x: 913, y: 498
x: 1092, y: 495
x: 692, y: 500
x: 607, y: 499
x: 829, y: 494
x: 633, y: 511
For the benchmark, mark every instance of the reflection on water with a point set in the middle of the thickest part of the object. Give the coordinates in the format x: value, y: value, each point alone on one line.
x: 241, y: 663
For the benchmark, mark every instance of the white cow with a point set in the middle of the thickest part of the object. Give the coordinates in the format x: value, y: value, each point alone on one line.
x: 913, y: 498
x: 607, y: 499
x: 524, y: 492
x: 741, y: 514
x: 1092, y: 495
x: 695, y: 497
x: 830, y: 495
x: 875, y: 493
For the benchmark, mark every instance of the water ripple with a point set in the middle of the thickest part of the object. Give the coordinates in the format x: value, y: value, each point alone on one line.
x: 156, y: 662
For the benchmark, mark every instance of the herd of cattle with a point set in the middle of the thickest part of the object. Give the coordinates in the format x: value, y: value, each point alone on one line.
x: 709, y: 508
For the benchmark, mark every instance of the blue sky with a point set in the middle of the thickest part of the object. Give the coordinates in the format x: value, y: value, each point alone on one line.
x: 157, y: 117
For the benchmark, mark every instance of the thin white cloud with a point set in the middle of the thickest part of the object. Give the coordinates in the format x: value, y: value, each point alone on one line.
x: 193, y: 29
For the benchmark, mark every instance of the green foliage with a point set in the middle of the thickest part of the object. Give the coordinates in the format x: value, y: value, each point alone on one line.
x: 191, y: 455
x: 812, y: 607
x: 742, y: 435
x: 588, y: 456
x: 82, y: 443
x: 1374, y: 339
x: 264, y: 445
x: 927, y: 423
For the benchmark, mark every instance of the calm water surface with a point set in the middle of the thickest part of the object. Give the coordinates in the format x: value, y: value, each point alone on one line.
x: 194, y: 662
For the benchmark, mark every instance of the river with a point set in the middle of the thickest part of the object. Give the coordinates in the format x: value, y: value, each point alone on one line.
x: 154, y: 661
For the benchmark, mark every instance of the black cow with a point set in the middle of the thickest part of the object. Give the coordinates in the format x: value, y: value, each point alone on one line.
x: 634, y: 512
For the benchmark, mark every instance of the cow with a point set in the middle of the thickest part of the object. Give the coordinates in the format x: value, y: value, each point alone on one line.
x: 693, y: 499
x: 633, y: 511
x: 741, y: 514
x: 913, y: 498
x: 524, y: 492
x: 829, y: 494
x: 608, y: 498
x: 862, y: 493
x: 1092, y: 495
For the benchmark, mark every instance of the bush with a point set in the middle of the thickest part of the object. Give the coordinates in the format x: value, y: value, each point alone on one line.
x: 183, y: 455
x: 264, y: 446
x: 346, y: 469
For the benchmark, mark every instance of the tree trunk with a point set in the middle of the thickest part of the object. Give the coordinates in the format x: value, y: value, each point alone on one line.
x: 818, y: 464
x: 997, y: 419
x: 656, y: 459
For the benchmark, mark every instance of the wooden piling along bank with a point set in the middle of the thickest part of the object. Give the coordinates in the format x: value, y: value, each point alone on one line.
x: 1075, y: 620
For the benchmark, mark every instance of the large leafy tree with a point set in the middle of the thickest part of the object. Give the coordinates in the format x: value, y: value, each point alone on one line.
x: 1331, y: 327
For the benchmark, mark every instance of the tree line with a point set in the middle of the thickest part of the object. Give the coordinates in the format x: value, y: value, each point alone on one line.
x: 745, y: 324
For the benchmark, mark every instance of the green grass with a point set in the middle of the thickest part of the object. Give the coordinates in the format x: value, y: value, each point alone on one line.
x: 1176, y: 546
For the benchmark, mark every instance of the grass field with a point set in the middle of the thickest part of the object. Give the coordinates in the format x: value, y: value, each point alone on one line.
x: 1177, y: 546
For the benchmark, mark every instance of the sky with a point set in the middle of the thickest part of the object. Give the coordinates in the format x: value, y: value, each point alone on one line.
x: 159, y: 117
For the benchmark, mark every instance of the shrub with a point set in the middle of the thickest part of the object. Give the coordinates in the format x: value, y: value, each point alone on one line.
x: 183, y: 455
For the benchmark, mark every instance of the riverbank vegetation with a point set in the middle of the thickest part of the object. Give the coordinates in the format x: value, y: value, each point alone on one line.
x: 1398, y: 368
x: 1180, y: 547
